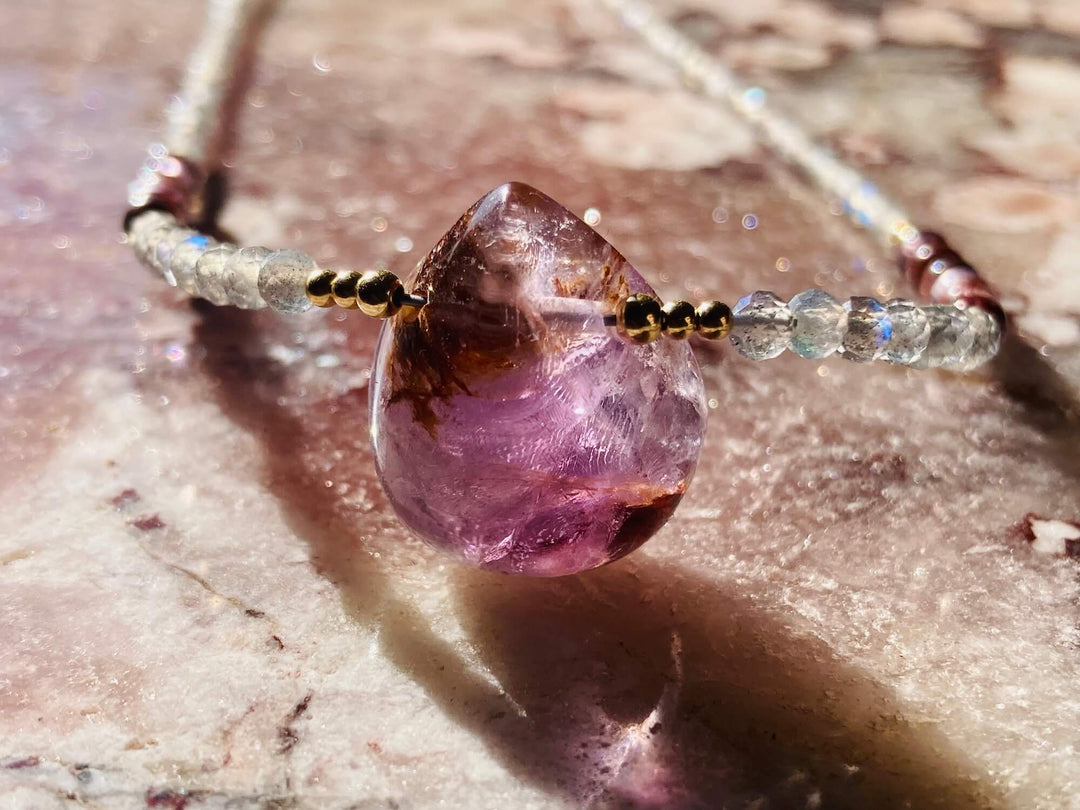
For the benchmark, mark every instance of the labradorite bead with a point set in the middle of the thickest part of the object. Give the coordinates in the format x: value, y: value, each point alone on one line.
x: 819, y: 326
x: 761, y: 327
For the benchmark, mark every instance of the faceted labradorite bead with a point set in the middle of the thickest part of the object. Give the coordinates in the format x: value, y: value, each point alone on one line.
x: 242, y: 277
x: 761, y: 326
x: 184, y: 258
x: 868, y: 332
x: 819, y: 326
x: 165, y: 242
x: 521, y: 442
x: 951, y: 336
x: 910, y: 332
x: 210, y: 274
x: 283, y: 280
x: 986, y: 340
x: 144, y: 227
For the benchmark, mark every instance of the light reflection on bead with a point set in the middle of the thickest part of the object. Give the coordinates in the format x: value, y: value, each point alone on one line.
x: 184, y: 257
x: 163, y: 243
x: 146, y: 226
x: 761, y: 327
x: 820, y: 324
x: 868, y: 332
x: 910, y: 332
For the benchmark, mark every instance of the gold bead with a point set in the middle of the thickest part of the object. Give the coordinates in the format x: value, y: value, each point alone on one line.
x: 343, y: 288
x: 318, y: 287
x: 639, y: 318
x: 679, y: 319
x: 379, y: 293
x: 714, y: 320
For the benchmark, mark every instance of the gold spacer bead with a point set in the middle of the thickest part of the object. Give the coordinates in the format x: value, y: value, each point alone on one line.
x: 379, y: 293
x: 639, y: 318
x: 318, y: 287
x: 714, y: 320
x: 343, y: 288
x: 679, y: 319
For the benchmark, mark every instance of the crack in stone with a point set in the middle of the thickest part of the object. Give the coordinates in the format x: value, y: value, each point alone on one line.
x: 286, y: 733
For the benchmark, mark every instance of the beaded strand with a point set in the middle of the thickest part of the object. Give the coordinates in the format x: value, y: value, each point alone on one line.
x: 960, y: 334
x: 814, y: 325
x: 287, y: 281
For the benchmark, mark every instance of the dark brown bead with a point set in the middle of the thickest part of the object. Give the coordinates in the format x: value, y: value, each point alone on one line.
x: 955, y: 282
x: 939, y: 273
x: 169, y: 183
x: 928, y: 274
x: 946, y: 286
x: 917, y: 252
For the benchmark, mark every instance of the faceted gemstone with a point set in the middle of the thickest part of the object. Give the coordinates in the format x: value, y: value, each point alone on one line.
x: 185, y: 256
x: 148, y: 226
x: 164, y: 242
x: 820, y: 324
x: 761, y: 326
x: 242, y: 277
x: 868, y: 332
x: 951, y: 336
x: 283, y: 280
x: 511, y: 427
x: 910, y: 332
x: 986, y: 339
x: 210, y: 274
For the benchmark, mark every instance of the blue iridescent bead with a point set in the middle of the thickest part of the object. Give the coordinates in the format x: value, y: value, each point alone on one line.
x: 184, y: 258
x: 164, y: 244
x: 868, y: 332
x: 819, y: 325
x: 910, y: 332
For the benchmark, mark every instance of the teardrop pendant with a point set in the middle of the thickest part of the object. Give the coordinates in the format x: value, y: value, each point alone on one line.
x: 511, y: 427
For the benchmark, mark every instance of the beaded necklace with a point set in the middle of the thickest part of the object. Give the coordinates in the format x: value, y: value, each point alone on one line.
x: 535, y: 407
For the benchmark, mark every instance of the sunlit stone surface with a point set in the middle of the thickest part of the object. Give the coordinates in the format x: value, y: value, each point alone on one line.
x: 206, y: 600
x: 510, y: 427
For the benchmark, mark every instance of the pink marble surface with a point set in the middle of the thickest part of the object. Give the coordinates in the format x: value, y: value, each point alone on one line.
x: 205, y: 601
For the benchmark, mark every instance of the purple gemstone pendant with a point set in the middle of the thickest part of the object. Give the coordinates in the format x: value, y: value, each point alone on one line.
x: 511, y: 427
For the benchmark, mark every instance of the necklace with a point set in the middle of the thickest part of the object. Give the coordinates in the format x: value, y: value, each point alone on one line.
x: 535, y: 408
